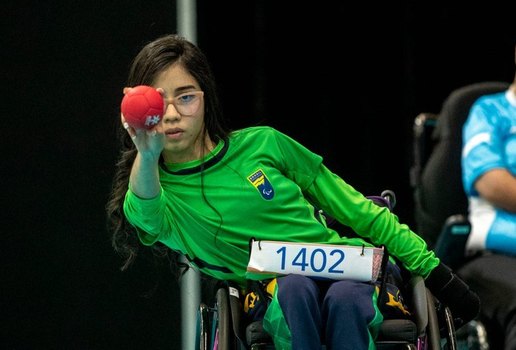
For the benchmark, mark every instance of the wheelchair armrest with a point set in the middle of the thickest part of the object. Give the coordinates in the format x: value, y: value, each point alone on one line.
x: 434, y: 333
x: 393, y: 330
x: 419, y: 302
x: 451, y: 243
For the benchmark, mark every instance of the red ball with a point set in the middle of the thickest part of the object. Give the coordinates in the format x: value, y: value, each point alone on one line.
x: 142, y: 107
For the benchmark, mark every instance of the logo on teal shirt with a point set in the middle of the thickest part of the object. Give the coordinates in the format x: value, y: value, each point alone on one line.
x: 260, y: 181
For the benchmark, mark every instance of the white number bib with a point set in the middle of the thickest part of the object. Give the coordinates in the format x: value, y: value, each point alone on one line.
x: 330, y: 261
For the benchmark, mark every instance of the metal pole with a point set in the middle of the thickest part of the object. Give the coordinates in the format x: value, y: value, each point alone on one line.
x: 187, y: 19
x: 190, y: 300
x: 190, y: 281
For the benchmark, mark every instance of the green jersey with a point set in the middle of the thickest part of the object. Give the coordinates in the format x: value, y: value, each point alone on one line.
x: 262, y: 184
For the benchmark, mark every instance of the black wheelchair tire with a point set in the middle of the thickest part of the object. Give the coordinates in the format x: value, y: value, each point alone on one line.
x: 202, y: 341
x: 451, y: 340
x: 225, y: 331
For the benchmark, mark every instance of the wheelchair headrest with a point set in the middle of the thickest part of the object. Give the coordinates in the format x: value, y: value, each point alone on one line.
x: 455, y: 109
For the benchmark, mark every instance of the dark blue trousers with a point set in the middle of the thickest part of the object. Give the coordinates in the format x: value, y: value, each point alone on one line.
x: 334, y: 313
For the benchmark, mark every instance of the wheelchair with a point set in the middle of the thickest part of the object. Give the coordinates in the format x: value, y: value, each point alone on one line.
x: 441, y: 205
x: 221, y: 323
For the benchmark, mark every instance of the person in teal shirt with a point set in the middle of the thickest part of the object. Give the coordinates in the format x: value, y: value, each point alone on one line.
x: 488, y: 174
x: 192, y: 185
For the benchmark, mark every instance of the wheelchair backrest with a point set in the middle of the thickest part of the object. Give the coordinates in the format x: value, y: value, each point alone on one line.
x: 437, y: 177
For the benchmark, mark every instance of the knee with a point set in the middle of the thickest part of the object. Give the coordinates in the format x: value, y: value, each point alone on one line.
x: 297, y: 287
x: 349, y: 300
x: 349, y: 293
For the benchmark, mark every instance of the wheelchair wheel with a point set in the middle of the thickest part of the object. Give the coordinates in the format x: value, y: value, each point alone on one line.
x: 451, y: 340
x: 202, y: 341
x: 223, y: 330
x: 473, y: 336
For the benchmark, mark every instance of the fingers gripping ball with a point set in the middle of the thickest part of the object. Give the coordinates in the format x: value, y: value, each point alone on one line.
x: 142, y: 107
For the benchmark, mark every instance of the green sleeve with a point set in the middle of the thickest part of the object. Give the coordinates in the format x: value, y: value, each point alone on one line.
x: 146, y: 215
x: 296, y: 161
x: 377, y: 224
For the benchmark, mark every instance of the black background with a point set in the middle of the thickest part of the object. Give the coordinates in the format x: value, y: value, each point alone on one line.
x: 346, y: 79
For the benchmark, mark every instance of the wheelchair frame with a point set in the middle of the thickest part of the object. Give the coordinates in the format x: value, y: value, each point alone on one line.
x: 219, y: 326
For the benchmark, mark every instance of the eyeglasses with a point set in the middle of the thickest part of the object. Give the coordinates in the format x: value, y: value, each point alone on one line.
x: 187, y: 103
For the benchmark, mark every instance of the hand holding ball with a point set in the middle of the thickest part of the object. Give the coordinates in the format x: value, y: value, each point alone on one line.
x: 142, y: 107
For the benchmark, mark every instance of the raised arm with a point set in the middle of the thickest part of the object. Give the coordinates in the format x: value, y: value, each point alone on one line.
x: 144, y: 178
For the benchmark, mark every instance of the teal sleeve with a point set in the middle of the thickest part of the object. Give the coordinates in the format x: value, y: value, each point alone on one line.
x: 377, y: 224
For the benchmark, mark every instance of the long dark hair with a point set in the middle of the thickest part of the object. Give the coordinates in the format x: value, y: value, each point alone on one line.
x: 154, y: 58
